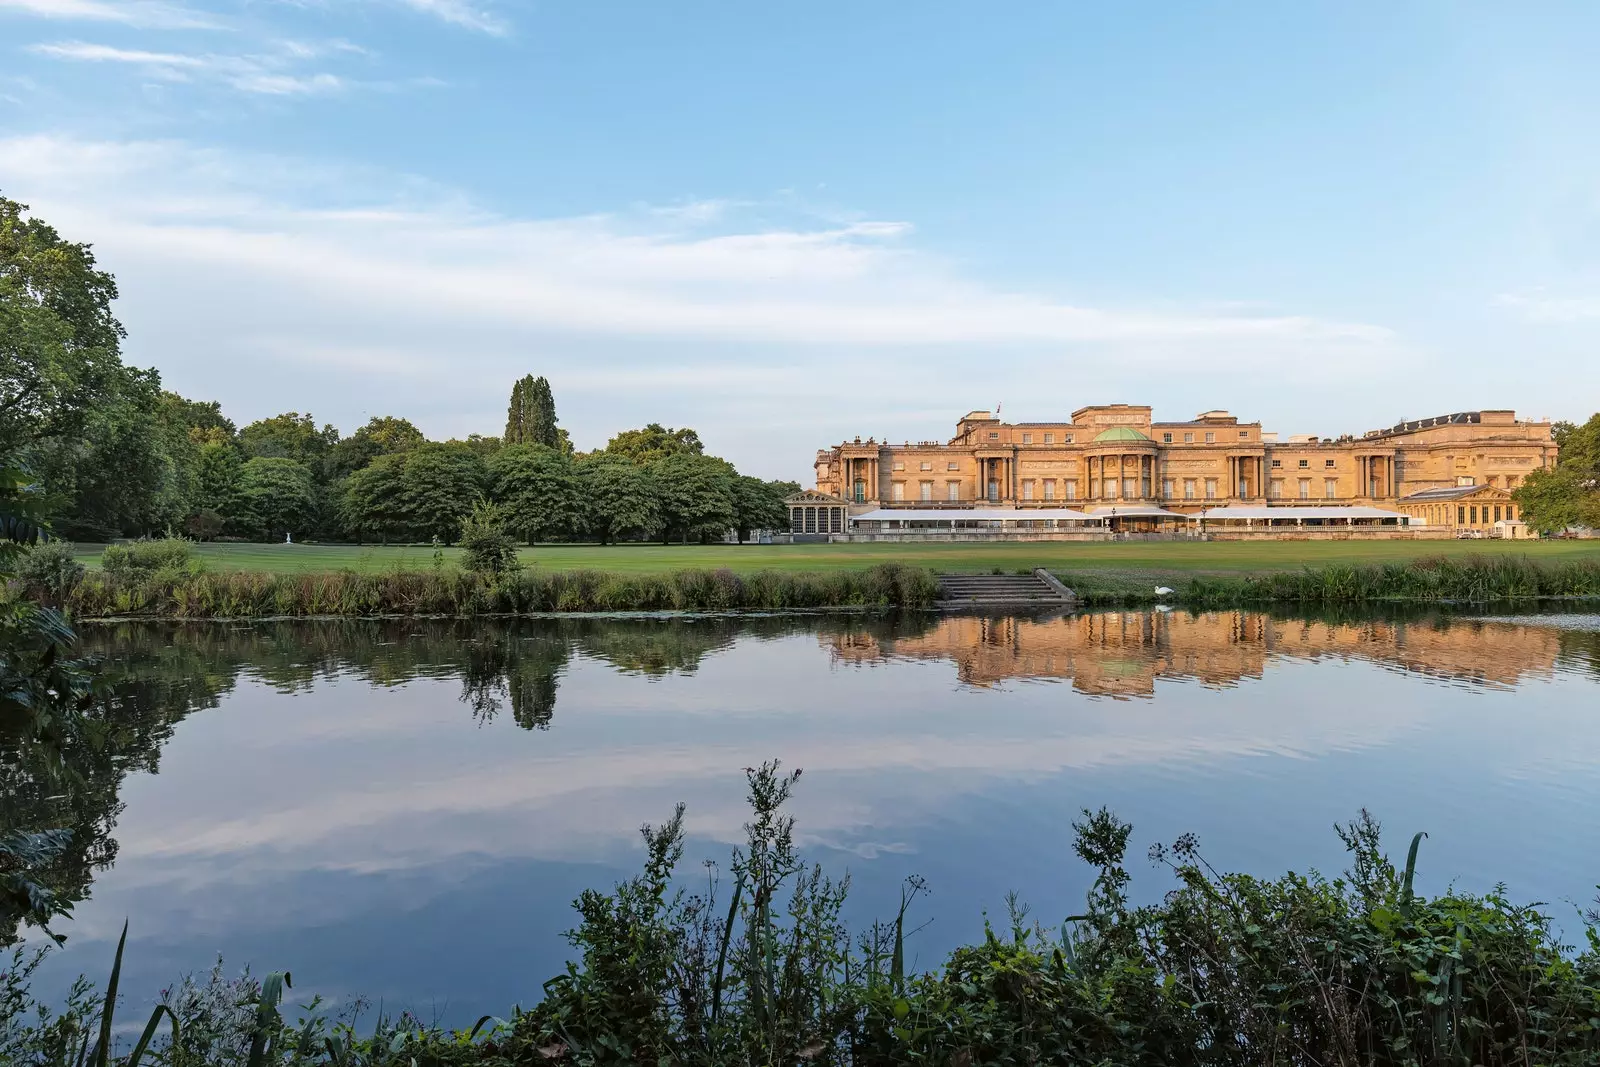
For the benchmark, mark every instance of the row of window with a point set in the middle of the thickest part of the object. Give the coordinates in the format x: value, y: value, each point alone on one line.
x: 1327, y: 464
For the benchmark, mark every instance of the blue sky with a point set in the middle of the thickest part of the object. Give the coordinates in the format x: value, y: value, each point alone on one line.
x: 789, y: 224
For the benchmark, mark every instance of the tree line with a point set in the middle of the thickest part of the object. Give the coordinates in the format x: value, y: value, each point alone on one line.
x: 114, y: 454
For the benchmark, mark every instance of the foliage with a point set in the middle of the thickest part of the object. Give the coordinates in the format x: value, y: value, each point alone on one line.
x: 237, y: 594
x: 383, y: 435
x: 168, y: 558
x: 1568, y: 494
x: 696, y: 494
x: 759, y: 505
x: 531, y: 418
x: 486, y: 547
x: 48, y: 571
x: 654, y: 442
x: 442, y: 484
x: 620, y: 499
x: 289, y: 436
x: 537, y: 489
x: 58, y: 339
x: 276, y: 496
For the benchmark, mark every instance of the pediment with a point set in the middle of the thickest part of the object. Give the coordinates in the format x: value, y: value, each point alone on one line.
x: 814, y: 496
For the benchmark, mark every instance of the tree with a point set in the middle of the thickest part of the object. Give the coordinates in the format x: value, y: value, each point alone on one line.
x: 654, y: 442
x: 373, y: 500
x: 696, y: 496
x: 759, y: 505
x: 620, y: 499
x: 537, y: 490
x: 443, y: 482
x: 276, y: 496
x: 1567, y: 494
x: 383, y: 435
x: 59, y: 342
x: 218, y: 489
x: 203, y: 417
x: 290, y: 436
x: 531, y: 418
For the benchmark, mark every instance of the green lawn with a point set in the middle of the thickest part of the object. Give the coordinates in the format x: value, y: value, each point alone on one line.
x: 1131, y: 559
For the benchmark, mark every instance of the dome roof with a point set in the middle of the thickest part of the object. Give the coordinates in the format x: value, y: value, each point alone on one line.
x: 1120, y: 433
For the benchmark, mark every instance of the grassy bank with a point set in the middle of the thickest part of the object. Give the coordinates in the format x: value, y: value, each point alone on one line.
x: 1162, y: 562
x: 758, y: 967
x: 1478, y: 578
x: 447, y: 591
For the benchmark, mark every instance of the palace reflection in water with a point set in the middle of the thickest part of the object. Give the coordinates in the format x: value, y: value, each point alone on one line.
x: 1123, y: 654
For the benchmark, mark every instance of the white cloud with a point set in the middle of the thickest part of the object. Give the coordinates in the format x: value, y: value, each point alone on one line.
x: 462, y: 14
x: 268, y: 72
x: 235, y: 269
x: 1537, y: 305
x: 144, y: 13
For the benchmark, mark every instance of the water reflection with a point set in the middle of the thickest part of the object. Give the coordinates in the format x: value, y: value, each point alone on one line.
x: 1123, y: 654
x: 297, y: 794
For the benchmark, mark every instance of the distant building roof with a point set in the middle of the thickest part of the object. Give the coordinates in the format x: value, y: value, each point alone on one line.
x: 1450, y: 492
x: 1325, y: 512
x: 1120, y: 433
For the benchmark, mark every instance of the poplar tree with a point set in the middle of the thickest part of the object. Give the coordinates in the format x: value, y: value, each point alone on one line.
x: 531, y: 419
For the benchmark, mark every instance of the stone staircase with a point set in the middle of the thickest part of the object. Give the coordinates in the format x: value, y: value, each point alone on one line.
x: 1039, y: 589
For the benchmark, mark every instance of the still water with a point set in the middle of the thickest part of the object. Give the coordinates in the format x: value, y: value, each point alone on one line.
x: 403, y: 811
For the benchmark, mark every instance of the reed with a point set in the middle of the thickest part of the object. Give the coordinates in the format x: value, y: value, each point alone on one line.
x: 451, y: 592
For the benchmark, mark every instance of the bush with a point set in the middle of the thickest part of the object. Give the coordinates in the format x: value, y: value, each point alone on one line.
x: 49, y: 571
x: 168, y: 558
x: 486, y: 548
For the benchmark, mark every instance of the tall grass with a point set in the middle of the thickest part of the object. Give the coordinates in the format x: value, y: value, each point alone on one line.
x: 1477, y: 579
x: 447, y: 591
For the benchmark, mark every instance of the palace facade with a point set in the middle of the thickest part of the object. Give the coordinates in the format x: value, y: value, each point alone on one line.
x: 1117, y: 455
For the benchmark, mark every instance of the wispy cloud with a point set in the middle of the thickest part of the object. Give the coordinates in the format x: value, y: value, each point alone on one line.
x: 151, y: 14
x: 270, y: 73
x: 1538, y: 305
x: 461, y: 13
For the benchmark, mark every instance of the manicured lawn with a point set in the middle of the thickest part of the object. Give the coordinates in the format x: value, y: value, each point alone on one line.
x: 1131, y: 559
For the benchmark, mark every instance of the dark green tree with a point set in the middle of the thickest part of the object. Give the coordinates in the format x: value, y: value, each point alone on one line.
x: 218, y: 490
x: 759, y: 505
x: 654, y: 442
x: 373, y: 500
x: 696, y: 497
x: 537, y: 490
x: 290, y: 436
x: 531, y: 417
x: 621, y: 499
x: 383, y: 435
x: 276, y: 496
x: 442, y: 483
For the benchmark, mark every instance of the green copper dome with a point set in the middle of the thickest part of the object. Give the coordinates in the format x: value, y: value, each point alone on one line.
x: 1121, y: 433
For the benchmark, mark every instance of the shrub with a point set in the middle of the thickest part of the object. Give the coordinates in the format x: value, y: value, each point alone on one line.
x: 168, y: 558
x: 49, y: 571
x: 486, y: 547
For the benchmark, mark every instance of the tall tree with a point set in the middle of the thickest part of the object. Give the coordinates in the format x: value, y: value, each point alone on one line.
x: 759, y: 505
x: 696, y: 496
x: 290, y: 436
x: 531, y: 417
x: 276, y: 496
x: 443, y: 482
x: 373, y: 500
x: 383, y: 435
x: 59, y: 342
x: 621, y: 499
x: 537, y: 489
x: 1567, y: 494
x: 653, y: 442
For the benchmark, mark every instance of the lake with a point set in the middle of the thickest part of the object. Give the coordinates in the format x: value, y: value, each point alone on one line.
x: 404, y: 810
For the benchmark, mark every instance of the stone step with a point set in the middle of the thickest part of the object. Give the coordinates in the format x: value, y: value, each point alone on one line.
x: 999, y: 590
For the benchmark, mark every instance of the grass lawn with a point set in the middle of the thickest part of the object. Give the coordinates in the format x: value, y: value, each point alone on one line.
x: 1093, y: 563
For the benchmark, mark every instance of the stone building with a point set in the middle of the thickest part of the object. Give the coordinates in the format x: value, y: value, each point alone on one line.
x: 1116, y: 454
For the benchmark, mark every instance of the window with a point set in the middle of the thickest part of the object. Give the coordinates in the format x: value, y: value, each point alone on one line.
x: 1130, y: 488
x: 1027, y: 438
x: 1027, y: 489
x: 1188, y: 438
x: 1211, y: 489
x: 1277, y: 488
x: 1049, y: 488
x: 1304, y: 464
x: 899, y: 465
x: 1497, y: 513
x: 927, y: 491
x: 1305, y: 488
x: 954, y: 490
x: 1244, y: 435
x: 1277, y: 463
x: 926, y: 465
x: 952, y: 466
x: 1049, y: 438
x: 1330, y: 487
x: 1472, y: 515
x: 1166, y: 488
x: 1166, y: 438
x: 994, y: 435
x: 1328, y: 463
x: 861, y: 492
x: 1067, y: 439
x: 1072, y: 488
x: 899, y: 490
x: 1188, y: 489
x: 1461, y: 516
x: 1511, y: 511
x: 1211, y: 437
